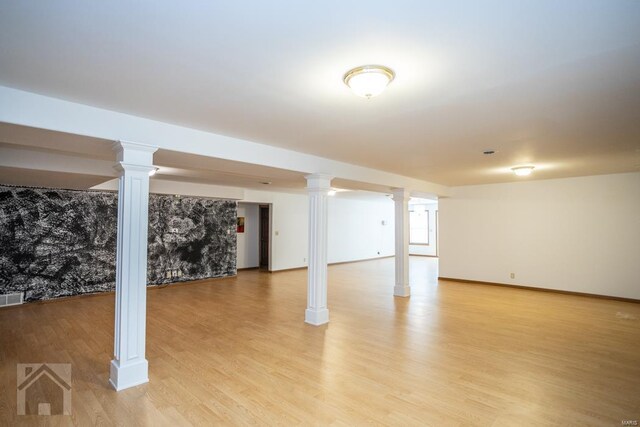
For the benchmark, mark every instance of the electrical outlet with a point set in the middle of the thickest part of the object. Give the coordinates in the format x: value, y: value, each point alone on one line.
x: 277, y: 233
x: 378, y: 252
x: 304, y: 260
x: 512, y: 275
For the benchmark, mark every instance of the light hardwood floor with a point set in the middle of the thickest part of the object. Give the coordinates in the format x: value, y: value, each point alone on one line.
x: 236, y: 352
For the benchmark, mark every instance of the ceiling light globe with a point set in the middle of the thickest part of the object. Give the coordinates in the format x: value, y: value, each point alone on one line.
x: 368, y: 80
x: 523, y: 170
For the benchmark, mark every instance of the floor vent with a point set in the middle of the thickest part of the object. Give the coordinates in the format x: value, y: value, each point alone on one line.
x: 11, y: 299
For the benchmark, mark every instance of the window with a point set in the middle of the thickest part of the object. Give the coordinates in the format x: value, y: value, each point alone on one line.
x: 418, y: 225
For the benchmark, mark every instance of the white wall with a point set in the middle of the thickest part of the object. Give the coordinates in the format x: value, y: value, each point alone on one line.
x: 248, y: 241
x: 356, y: 231
x: 432, y: 248
x: 575, y: 234
x: 288, y: 227
x: 355, y: 228
x: 355, y: 225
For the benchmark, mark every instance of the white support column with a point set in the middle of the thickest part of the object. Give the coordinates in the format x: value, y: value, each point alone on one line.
x: 318, y: 186
x: 129, y: 367
x: 401, y: 200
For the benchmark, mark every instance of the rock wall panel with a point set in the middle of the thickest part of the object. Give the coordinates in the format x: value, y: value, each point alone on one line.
x: 56, y: 243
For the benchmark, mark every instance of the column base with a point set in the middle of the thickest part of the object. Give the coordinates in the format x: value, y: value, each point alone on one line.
x: 402, y: 291
x: 130, y: 375
x: 316, y: 317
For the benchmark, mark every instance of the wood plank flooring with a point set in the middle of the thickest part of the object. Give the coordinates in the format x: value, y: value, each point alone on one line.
x: 237, y: 352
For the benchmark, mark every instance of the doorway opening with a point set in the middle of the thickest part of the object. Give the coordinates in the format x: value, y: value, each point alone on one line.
x: 253, y: 232
x: 264, y: 245
x: 423, y: 227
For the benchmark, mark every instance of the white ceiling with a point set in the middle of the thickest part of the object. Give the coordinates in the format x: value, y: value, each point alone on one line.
x: 556, y: 84
x: 46, y: 178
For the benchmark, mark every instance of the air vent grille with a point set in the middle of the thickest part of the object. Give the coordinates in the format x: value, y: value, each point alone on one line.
x: 11, y: 299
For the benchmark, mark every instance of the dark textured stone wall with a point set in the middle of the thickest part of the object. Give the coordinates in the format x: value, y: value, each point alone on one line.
x: 56, y: 243
x: 191, y: 237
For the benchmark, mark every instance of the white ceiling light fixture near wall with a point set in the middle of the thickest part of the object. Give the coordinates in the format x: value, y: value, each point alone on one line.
x: 523, y: 170
x: 368, y: 80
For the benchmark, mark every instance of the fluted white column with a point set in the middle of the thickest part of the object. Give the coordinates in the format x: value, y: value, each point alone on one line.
x: 318, y: 186
x: 130, y: 367
x: 401, y: 200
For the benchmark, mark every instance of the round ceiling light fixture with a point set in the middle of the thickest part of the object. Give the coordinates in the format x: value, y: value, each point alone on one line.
x: 368, y: 80
x: 523, y: 170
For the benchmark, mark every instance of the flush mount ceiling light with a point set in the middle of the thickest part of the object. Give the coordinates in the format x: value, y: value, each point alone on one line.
x: 368, y: 80
x: 523, y: 170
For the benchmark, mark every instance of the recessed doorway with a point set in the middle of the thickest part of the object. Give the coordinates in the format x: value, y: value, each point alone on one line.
x: 264, y: 234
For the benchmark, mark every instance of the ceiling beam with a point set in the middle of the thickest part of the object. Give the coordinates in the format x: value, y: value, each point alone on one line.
x: 54, y: 162
x: 33, y: 110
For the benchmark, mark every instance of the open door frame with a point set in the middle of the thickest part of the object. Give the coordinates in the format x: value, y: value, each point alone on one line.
x: 264, y: 237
